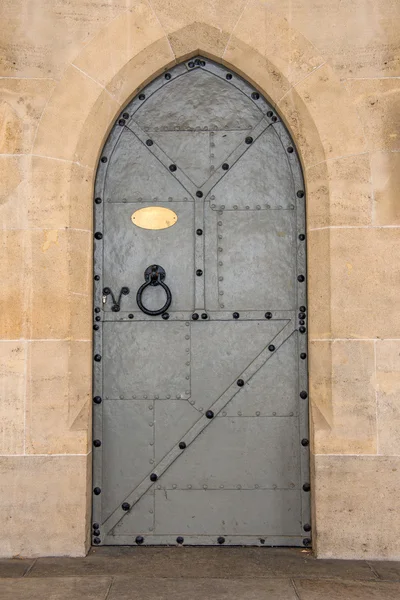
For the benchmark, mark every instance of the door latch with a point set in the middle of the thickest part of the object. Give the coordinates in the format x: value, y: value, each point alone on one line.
x: 116, y: 307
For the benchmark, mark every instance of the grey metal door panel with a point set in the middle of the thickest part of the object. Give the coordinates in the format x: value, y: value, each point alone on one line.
x: 200, y: 412
x: 219, y: 512
x: 129, y: 250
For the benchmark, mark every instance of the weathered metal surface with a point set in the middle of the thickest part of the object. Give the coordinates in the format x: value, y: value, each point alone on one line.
x: 200, y: 412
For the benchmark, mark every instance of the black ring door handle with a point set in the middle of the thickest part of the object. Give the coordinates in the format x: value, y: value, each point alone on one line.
x: 154, y: 275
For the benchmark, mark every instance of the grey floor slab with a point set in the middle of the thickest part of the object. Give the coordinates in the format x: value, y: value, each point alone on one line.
x: 126, y: 588
x: 61, y: 588
x: 14, y: 567
x: 200, y: 562
x: 387, y: 569
x: 346, y: 590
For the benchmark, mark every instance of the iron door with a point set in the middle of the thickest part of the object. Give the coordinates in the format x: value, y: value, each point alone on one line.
x: 200, y: 365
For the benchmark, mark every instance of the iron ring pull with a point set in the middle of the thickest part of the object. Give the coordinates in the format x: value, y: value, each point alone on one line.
x: 154, y: 275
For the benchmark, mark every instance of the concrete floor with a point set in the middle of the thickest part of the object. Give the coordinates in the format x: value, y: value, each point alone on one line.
x: 193, y: 573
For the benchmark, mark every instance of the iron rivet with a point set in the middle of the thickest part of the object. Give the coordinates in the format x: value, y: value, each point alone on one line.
x: 97, y: 309
x: 179, y: 540
x: 167, y: 76
x: 165, y: 316
x: 96, y: 491
x: 302, y: 315
x: 202, y: 63
x: 182, y: 445
x: 302, y: 329
x: 290, y: 149
x: 149, y: 142
x: 98, y: 235
x: 195, y: 316
x: 121, y: 122
x: 96, y: 327
x: 301, y: 322
x: 302, y: 309
x: 96, y: 525
x: 221, y: 540
x: 304, y: 442
x: 225, y: 166
x: 104, y: 159
x: 199, y: 272
x: 96, y: 540
x: 97, y: 357
x: 199, y: 231
x: 96, y: 531
x: 274, y: 119
x: 199, y: 194
x: 302, y: 237
x: 236, y: 315
x: 139, y: 539
x: 98, y: 318
x: 125, y: 506
x: 209, y: 414
x: 307, y: 542
x: 271, y: 348
x: 240, y: 382
x: 300, y: 194
x: 249, y: 140
x: 307, y: 527
x: 126, y: 115
x: 268, y: 315
x: 303, y: 395
x: 262, y: 541
x: 228, y: 76
x: 153, y: 477
x: 142, y: 96
x: 269, y: 113
x: 172, y: 168
x: 300, y: 278
x: 97, y: 399
x: 204, y: 315
x: 97, y: 200
x: 130, y: 316
x: 96, y: 443
x: 97, y: 277
x: 306, y: 487
x: 255, y: 95
x: 191, y: 65
x: 303, y: 355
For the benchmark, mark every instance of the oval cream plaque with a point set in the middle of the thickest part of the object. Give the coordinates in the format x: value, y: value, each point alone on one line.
x: 154, y: 217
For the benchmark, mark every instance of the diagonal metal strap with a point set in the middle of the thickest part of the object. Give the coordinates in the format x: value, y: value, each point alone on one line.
x: 159, y: 469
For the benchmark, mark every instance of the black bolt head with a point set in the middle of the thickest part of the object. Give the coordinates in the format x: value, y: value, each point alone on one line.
x: 96, y: 525
x: 300, y: 194
x: 97, y: 357
x: 269, y: 113
x: 96, y: 540
x: 97, y: 309
x: 249, y: 140
x: 106, y: 291
x: 271, y: 348
x: 262, y: 541
x: 165, y: 316
x: 202, y: 63
x: 97, y: 399
x: 302, y: 329
x: 306, y: 487
x: 195, y: 316
x: 125, y: 291
x: 300, y: 278
x: 303, y: 395
x: 182, y: 445
x: 225, y: 166
x: 97, y: 277
x: 97, y: 491
x: 199, y: 194
x: 209, y: 414
x: 98, y: 235
x: 302, y: 309
x: 172, y: 168
x: 142, y: 96
x: 103, y: 159
x: 121, y: 122
x: 307, y: 527
x: 199, y: 231
x: 204, y: 316
x: 191, y: 64
x: 115, y: 308
x: 307, y: 542
x: 96, y: 531
x: 302, y: 315
x: 303, y: 355
x: 221, y: 540
x: 199, y: 272
x: 149, y: 142
x: 98, y: 318
x: 130, y: 316
x: 96, y: 443
x: 274, y: 119
x: 97, y: 200
x: 290, y: 149
x: 268, y: 315
x: 301, y: 322
x: 139, y: 539
x: 302, y: 237
x: 167, y: 76
x: 125, y: 506
x: 126, y: 115
x: 255, y: 95
x: 153, y: 477
x: 240, y: 382
x: 305, y: 442
x: 228, y: 76
x: 197, y: 62
x: 235, y: 315
x: 96, y: 327
x: 179, y: 540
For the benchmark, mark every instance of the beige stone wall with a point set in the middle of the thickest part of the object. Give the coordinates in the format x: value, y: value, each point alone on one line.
x: 333, y: 71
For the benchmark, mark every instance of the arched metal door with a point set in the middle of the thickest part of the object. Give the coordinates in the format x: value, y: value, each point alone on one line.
x: 200, y: 376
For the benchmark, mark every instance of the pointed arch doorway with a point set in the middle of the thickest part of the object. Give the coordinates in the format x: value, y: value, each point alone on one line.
x: 200, y: 371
